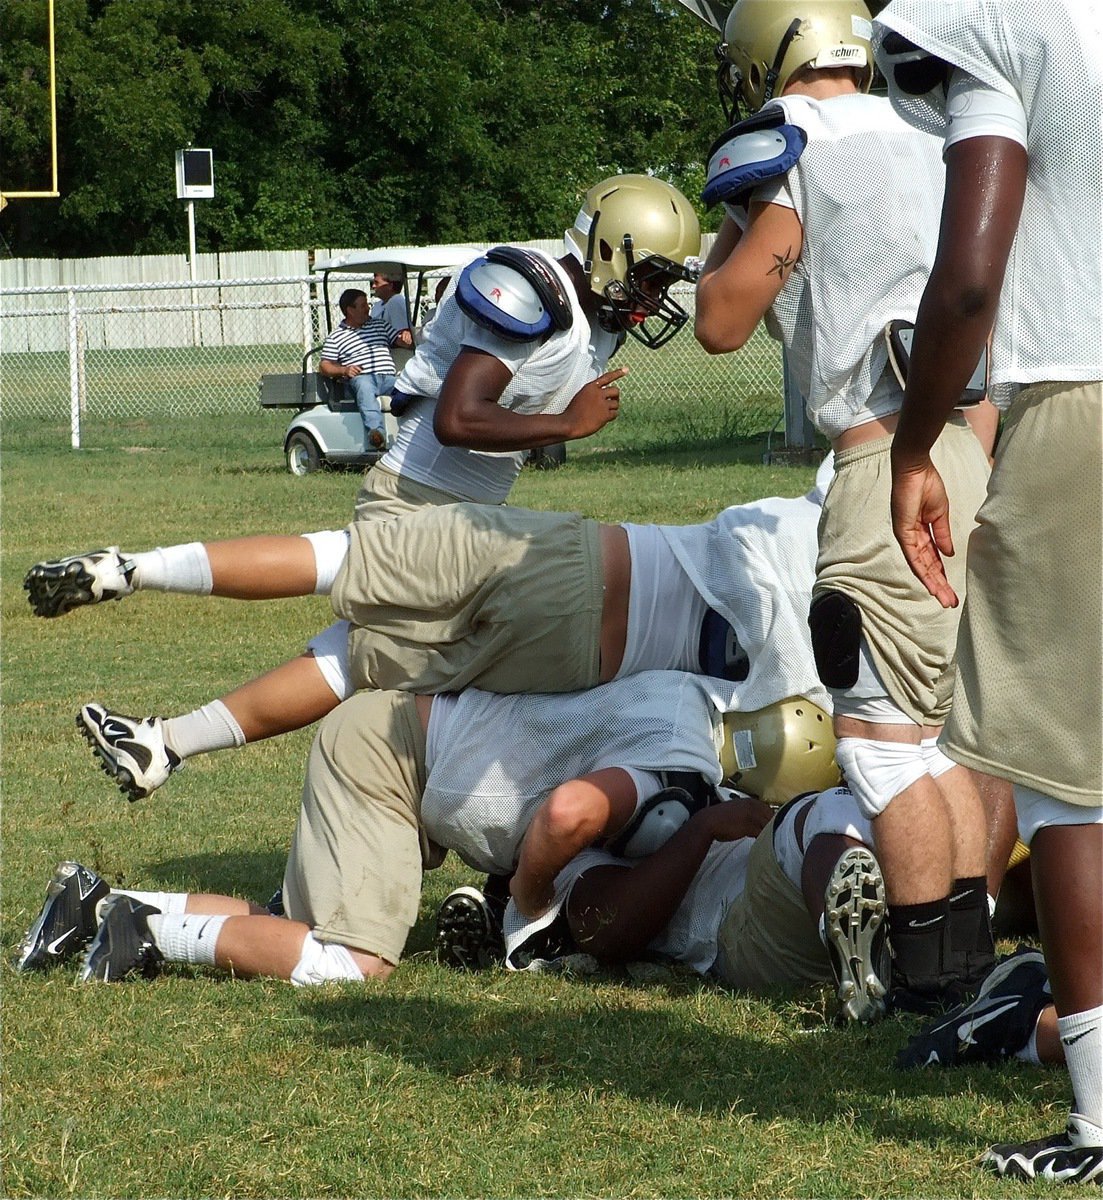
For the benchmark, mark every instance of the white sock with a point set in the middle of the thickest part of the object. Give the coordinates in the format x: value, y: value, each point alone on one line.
x: 167, y: 902
x: 185, y: 568
x: 1082, y: 1040
x: 187, y: 937
x: 211, y: 727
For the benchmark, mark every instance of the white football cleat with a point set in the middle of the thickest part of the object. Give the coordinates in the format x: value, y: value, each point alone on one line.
x: 131, y: 750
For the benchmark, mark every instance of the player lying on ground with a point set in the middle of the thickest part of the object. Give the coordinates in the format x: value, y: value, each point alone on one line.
x: 803, y: 903
x: 747, y: 920
x: 393, y: 780
x: 450, y: 596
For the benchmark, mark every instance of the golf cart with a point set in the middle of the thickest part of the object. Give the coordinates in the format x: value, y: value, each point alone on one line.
x: 328, y: 429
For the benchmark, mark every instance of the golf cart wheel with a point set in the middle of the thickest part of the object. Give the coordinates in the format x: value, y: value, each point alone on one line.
x: 548, y: 458
x: 303, y: 455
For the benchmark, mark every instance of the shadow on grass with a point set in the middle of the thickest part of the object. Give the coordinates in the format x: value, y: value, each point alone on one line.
x: 686, y: 1061
x: 251, y: 874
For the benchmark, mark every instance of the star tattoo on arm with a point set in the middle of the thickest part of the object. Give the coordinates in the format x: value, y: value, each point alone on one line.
x: 782, y: 263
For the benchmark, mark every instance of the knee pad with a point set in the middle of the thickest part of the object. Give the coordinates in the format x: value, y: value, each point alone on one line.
x: 836, y: 811
x: 331, y: 547
x: 835, y: 623
x: 937, y: 762
x: 324, y: 962
x: 331, y: 654
x: 876, y: 772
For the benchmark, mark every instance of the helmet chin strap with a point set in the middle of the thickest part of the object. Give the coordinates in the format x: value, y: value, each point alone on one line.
x: 730, y: 100
x: 782, y: 49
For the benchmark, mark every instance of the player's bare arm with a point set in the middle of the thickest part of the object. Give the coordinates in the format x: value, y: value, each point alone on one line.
x: 614, y: 911
x: 572, y: 817
x: 468, y: 413
x: 735, y: 291
x: 985, y: 185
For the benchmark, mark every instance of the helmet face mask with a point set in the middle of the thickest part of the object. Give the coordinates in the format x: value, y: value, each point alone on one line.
x: 633, y: 237
x: 644, y: 297
x: 766, y: 42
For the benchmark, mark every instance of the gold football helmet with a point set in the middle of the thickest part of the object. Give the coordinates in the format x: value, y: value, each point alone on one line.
x: 779, y: 752
x: 635, y: 235
x: 767, y: 41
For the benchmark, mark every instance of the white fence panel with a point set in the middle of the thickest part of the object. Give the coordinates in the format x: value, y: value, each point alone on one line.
x: 149, y: 342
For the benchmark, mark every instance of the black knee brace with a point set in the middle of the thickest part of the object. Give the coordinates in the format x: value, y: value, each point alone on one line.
x: 836, y: 625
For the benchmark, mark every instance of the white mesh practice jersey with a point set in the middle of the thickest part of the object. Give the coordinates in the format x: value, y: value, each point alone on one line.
x: 755, y: 565
x: 546, y: 381
x: 689, y: 937
x: 499, y: 757
x: 868, y: 192
x: 1051, y: 57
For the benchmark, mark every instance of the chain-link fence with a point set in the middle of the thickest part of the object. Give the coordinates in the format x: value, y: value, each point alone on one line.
x: 101, y: 352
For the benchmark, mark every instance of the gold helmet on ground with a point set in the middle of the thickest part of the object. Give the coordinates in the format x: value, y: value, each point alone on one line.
x: 779, y: 752
x: 635, y: 235
x: 767, y: 41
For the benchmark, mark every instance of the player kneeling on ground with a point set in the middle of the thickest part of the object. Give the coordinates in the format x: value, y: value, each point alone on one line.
x: 512, y: 783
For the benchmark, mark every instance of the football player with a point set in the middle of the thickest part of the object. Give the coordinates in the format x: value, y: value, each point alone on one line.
x: 832, y: 204
x: 803, y: 903
x: 515, y: 358
x: 1014, y: 92
x: 511, y: 783
x: 496, y: 597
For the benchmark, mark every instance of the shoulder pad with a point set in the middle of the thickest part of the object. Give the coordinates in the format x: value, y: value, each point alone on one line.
x: 763, y: 147
x: 909, y: 67
x: 515, y: 294
x: 656, y: 820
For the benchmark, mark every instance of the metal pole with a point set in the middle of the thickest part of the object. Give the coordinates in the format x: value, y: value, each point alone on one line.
x: 82, y: 369
x: 75, y: 371
x: 308, y: 329
x: 191, y: 269
x: 800, y: 433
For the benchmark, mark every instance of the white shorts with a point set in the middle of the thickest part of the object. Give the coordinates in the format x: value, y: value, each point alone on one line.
x: 1036, y: 810
x: 834, y: 811
x: 331, y: 655
x: 868, y: 699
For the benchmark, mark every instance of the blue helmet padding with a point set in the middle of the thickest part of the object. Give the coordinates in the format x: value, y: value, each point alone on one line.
x: 751, y: 153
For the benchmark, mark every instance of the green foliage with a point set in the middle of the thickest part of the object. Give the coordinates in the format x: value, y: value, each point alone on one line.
x: 344, y: 123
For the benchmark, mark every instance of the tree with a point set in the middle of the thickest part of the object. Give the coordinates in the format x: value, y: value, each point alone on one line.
x: 346, y: 123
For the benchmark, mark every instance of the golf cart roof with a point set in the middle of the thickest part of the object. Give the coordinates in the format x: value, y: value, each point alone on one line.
x: 399, y: 260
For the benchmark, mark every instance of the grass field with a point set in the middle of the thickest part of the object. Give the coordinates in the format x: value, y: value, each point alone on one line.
x: 435, y: 1084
